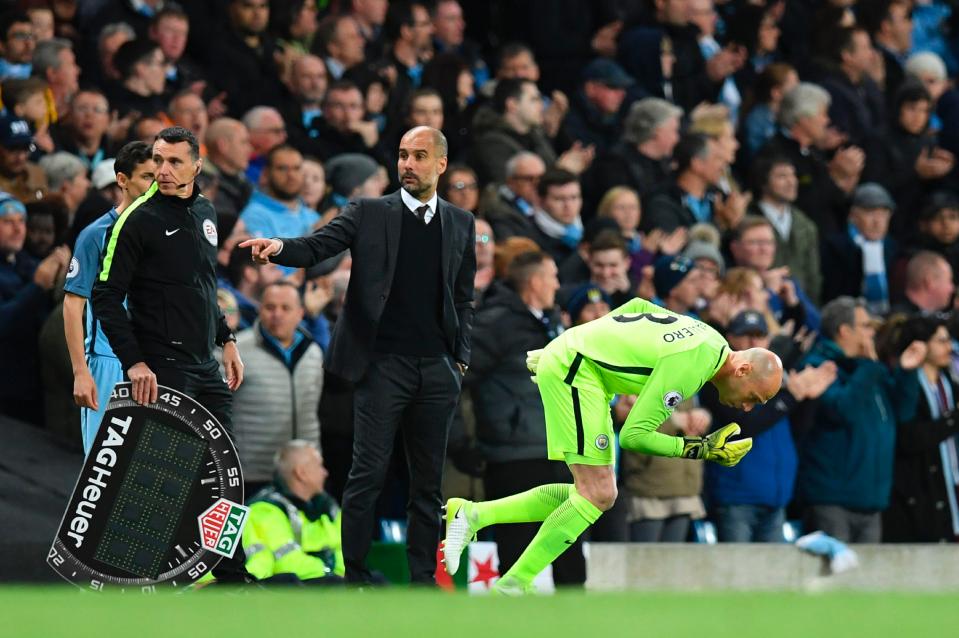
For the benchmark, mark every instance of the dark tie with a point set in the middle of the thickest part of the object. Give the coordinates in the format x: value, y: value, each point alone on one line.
x: 421, y: 213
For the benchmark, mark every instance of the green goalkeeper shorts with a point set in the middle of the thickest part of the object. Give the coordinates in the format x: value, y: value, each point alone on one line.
x: 579, y: 427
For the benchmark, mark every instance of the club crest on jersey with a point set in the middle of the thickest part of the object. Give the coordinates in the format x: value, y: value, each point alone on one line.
x: 209, y: 231
x: 74, y: 268
x: 602, y: 442
x: 672, y: 399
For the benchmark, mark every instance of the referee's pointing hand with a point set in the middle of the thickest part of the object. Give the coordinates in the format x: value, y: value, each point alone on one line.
x: 263, y: 248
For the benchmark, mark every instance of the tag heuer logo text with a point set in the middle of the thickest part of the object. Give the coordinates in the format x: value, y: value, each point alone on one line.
x: 221, y: 527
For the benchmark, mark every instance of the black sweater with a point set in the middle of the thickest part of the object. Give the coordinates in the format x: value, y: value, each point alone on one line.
x: 411, y: 323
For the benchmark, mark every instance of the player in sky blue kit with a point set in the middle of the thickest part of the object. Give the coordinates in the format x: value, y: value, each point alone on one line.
x: 95, y: 368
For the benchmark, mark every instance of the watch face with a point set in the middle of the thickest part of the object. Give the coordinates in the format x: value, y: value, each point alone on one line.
x: 159, y: 499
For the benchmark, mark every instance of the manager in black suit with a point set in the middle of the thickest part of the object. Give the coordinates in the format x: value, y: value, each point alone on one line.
x: 403, y: 338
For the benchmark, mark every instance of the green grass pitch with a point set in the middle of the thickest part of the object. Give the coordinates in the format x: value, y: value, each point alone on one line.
x: 54, y: 612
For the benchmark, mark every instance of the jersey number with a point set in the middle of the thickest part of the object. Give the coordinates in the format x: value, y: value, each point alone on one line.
x: 661, y: 319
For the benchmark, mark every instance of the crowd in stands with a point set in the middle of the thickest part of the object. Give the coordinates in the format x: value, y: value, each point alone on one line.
x: 784, y: 170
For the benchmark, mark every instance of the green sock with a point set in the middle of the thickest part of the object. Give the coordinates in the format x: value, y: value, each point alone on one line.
x: 530, y: 506
x: 555, y: 535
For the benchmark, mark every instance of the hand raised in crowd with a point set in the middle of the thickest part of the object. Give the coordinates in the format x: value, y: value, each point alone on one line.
x: 653, y: 239
x: 52, y: 268
x: 233, y: 365
x: 144, y: 383
x: 934, y: 163
x: 724, y: 306
x: 646, y: 289
x: 773, y: 277
x: 619, y: 283
x: 318, y: 294
x: 604, y: 40
x: 657, y: 241
x: 697, y: 421
x: 805, y: 338
x: 730, y: 210
x: 778, y: 281
x: 577, y: 159
x: 788, y: 293
x: 119, y: 128
x: 217, y: 106
x: 554, y: 113
x: 820, y: 378
x: 787, y: 329
x: 674, y: 241
x: 846, y: 167
x: 913, y: 356
x: 263, y: 248
x: 484, y: 277
x: 810, y: 382
x: 85, y: 390
x: 43, y: 139
x: 729, y: 60
x: 366, y: 130
x: 877, y: 67
x: 832, y: 139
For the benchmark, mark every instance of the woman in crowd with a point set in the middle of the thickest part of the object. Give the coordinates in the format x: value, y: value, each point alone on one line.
x: 450, y: 75
x: 314, y: 184
x: 759, y: 121
x: 622, y: 205
x: 906, y: 158
x: 923, y: 506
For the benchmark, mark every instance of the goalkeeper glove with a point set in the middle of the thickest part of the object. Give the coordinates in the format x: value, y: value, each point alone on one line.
x: 532, y: 362
x: 717, y: 447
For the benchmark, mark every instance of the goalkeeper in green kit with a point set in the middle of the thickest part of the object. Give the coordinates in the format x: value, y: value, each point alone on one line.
x: 639, y: 348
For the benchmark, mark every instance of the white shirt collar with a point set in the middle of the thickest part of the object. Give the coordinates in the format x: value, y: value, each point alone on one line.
x: 335, y: 68
x: 412, y: 204
x: 780, y: 217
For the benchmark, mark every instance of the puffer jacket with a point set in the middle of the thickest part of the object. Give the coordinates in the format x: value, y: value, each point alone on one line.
x: 276, y: 402
x: 510, y: 425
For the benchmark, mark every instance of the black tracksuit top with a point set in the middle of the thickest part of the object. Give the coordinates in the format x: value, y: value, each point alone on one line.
x: 160, y: 255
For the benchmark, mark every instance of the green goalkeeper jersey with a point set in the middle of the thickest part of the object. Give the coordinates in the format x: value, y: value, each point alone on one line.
x: 643, y: 349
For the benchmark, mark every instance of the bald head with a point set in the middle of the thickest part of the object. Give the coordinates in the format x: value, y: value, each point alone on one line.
x: 228, y: 145
x: 292, y: 455
x: 748, y: 377
x: 767, y: 371
x: 422, y: 159
x: 929, y: 281
x: 222, y: 128
x: 300, y: 466
x: 440, y: 146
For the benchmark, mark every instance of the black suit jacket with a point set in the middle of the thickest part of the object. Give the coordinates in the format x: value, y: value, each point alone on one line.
x: 370, y: 228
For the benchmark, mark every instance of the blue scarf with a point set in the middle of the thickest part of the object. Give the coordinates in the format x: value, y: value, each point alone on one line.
x: 875, y: 286
x: 702, y: 209
x: 947, y: 448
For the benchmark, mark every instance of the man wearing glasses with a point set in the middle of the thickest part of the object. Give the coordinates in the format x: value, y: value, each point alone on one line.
x: 17, y: 42
x: 509, y: 206
x: 753, y: 245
